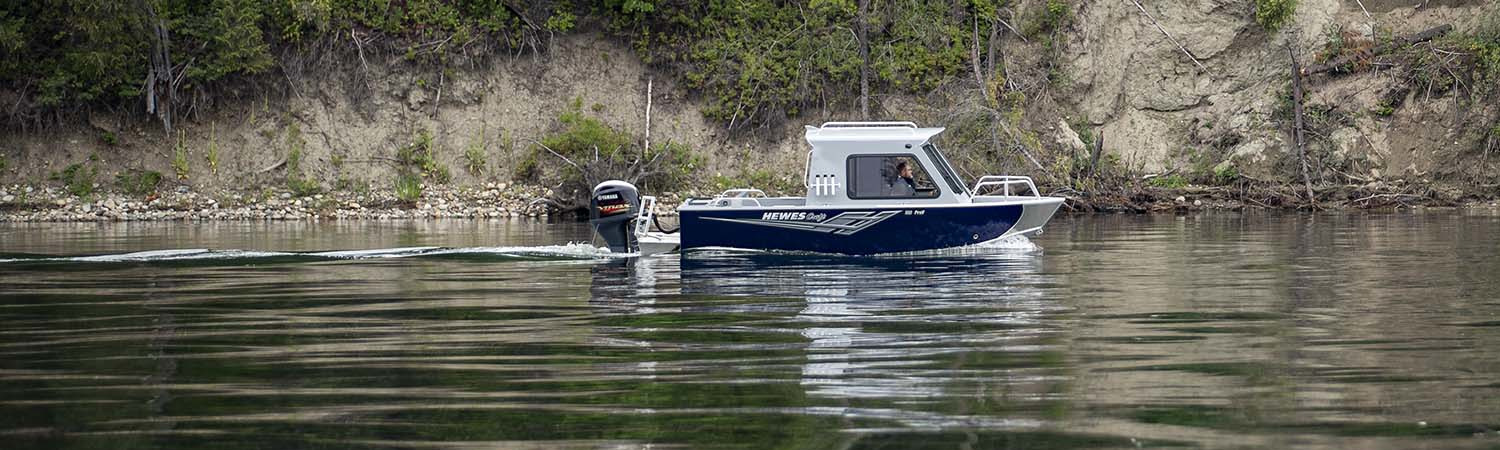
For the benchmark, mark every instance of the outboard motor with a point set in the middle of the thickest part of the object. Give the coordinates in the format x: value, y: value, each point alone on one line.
x: 612, y: 211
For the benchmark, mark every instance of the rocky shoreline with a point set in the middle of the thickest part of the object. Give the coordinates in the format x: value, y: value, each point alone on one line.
x: 26, y: 203
x: 41, y: 203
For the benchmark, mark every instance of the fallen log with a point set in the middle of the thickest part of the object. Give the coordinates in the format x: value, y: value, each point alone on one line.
x: 1395, y: 44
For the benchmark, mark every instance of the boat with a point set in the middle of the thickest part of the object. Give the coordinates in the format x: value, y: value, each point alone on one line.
x: 872, y: 188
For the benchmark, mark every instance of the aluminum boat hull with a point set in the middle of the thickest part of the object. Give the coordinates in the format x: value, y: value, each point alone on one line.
x: 865, y: 230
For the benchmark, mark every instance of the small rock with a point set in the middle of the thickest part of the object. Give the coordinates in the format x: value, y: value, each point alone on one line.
x: 286, y: 195
x: 1197, y: 202
x: 8, y: 198
x: 1181, y: 199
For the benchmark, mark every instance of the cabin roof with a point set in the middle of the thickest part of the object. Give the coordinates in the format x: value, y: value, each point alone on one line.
x: 897, y: 132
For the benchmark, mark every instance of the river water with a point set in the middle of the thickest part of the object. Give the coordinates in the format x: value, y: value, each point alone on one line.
x: 1213, y: 330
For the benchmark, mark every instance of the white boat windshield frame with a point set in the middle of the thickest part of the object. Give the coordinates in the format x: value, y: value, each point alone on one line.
x: 945, y: 169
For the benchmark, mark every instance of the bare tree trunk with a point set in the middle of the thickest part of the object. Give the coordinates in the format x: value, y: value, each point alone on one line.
x: 864, y: 56
x: 1096, y: 151
x: 160, y: 82
x: 647, y: 148
x: 436, y: 104
x: 994, y: 37
x: 984, y: 90
x: 1297, y: 130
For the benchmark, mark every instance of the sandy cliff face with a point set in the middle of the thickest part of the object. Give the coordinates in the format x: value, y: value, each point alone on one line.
x: 1158, y: 109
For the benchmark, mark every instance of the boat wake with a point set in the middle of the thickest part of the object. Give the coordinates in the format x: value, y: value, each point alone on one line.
x: 572, y: 251
x: 1016, y: 243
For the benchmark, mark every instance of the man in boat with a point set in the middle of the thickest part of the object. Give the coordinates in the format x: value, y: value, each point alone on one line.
x: 903, y: 185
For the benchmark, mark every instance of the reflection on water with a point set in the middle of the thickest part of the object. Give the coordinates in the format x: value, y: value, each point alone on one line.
x: 1320, y: 331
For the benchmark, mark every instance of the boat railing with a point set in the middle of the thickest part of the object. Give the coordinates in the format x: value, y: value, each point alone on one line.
x: 1003, y: 184
x: 739, y: 197
x: 741, y: 193
x: 648, y: 212
x: 868, y: 125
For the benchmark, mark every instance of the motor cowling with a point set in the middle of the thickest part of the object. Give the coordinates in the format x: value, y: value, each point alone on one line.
x: 613, y: 208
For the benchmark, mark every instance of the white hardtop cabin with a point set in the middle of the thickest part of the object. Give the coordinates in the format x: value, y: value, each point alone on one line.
x: 852, y: 163
x: 864, y: 164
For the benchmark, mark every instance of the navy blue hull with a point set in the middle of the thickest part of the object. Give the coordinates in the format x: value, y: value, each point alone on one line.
x: 852, y: 231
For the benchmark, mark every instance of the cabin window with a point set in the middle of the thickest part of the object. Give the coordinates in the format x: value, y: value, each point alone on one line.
x: 881, y: 176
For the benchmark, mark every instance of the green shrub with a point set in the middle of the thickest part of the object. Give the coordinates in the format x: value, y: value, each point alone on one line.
x: 78, y: 178
x: 1384, y: 109
x: 527, y: 168
x: 213, y: 148
x: 421, y: 154
x: 595, y: 152
x: 562, y: 21
x: 408, y: 187
x: 138, y: 182
x: 180, y: 156
x: 1273, y: 14
x: 1225, y: 174
x: 349, y: 185
x: 583, y: 136
x: 1483, y: 41
x: 474, y: 156
x: 303, y: 187
x: 588, y: 141
x: 1169, y: 181
x: 1053, y: 15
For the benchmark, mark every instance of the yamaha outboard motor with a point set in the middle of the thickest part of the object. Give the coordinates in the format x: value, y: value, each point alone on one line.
x: 612, y: 211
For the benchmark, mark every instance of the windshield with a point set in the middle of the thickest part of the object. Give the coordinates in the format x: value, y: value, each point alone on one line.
x: 943, y: 168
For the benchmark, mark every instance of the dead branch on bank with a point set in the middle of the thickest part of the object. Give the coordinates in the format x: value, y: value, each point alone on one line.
x: 1395, y: 44
x: 1169, y: 36
x: 573, y: 193
x: 1298, y: 132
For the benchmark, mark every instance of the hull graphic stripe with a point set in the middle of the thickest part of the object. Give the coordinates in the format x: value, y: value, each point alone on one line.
x: 843, y: 224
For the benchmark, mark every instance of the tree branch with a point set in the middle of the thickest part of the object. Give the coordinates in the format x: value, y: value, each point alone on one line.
x: 1169, y: 35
